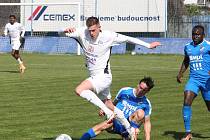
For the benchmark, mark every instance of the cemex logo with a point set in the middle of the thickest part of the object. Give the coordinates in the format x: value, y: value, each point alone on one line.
x: 37, y: 12
x: 50, y: 17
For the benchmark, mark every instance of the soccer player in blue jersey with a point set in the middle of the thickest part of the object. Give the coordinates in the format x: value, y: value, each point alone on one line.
x: 136, y: 108
x: 197, y: 56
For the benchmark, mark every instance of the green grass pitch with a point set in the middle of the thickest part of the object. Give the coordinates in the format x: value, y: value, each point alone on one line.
x: 41, y: 104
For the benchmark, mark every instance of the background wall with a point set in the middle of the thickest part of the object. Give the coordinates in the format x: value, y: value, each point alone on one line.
x: 56, y: 45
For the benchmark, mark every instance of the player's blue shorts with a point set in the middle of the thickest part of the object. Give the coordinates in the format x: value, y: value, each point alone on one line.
x: 196, y: 86
x: 118, y: 128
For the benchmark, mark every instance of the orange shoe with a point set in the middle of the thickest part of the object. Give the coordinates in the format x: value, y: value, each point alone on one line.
x: 188, y: 136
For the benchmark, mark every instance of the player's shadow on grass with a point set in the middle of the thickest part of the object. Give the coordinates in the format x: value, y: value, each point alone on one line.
x: 179, y: 135
x: 10, y: 71
x: 79, y: 139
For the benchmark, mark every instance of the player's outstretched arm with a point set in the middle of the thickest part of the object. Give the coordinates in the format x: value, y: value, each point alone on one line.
x: 119, y: 38
x: 73, y: 32
x: 183, y: 68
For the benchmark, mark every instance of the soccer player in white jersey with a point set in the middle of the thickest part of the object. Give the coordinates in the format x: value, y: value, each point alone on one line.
x: 96, y: 45
x: 16, y: 32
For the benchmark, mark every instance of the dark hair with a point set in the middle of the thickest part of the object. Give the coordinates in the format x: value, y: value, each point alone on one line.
x: 198, y: 27
x: 12, y: 16
x: 149, y: 82
x: 92, y: 21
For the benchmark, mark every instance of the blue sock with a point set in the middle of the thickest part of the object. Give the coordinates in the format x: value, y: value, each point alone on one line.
x: 88, y: 135
x: 187, y: 113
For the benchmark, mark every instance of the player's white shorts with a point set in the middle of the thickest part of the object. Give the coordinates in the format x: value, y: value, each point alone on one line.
x: 101, y: 84
x: 15, y: 44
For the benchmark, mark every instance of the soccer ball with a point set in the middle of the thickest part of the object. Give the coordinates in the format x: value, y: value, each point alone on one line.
x: 63, y: 137
x: 133, y: 53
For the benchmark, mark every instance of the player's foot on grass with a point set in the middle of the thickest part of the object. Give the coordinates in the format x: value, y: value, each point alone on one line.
x: 188, y: 136
x: 110, y: 118
x: 22, y: 68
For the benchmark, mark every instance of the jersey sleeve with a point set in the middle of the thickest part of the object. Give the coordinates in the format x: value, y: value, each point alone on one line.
x: 118, y: 96
x: 123, y: 92
x: 6, y: 30
x: 148, y: 109
x: 119, y: 38
x: 77, y: 33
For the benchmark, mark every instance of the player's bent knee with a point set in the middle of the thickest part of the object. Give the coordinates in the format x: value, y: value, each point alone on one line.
x: 140, y: 115
x: 187, y: 102
x: 77, y: 91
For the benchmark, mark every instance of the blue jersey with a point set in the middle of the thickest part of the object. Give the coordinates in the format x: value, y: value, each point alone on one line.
x: 199, y: 57
x: 128, y: 102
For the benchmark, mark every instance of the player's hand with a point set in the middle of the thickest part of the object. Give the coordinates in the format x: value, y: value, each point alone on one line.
x: 101, y: 113
x: 154, y: 45
x: 179, y: 78
x: 135, y: 132
x: 69, y: 30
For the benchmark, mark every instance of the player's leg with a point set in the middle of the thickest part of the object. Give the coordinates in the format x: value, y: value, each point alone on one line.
x: 206, y: 94
x: 96, y: 130
x: 191, y: 91
x: 118, y: 128
x: 20, y: 61
x: 189, y: 96
x: 16, y: 54
x: 85, y: 89
x: 119, y: 114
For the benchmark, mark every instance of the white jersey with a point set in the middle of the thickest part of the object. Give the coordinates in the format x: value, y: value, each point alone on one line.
x: 14, y: 31
x: 97, y: 52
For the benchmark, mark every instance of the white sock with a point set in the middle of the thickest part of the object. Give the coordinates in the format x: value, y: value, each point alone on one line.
x: 120, y: 116
x: 19, y: 61
x: 91, y: 97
